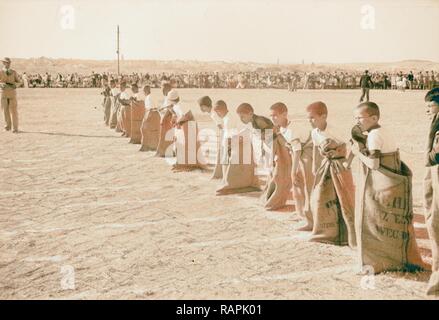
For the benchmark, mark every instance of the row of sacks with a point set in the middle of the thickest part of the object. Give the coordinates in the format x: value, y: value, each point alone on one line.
x: 376, y: 219
x: 163, y: 130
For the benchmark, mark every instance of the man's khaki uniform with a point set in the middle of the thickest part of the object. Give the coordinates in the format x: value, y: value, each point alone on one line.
x: 431, y: 201
x: 8, y: 82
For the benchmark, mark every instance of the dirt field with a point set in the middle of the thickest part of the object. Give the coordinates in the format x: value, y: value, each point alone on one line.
x: 75, y: 196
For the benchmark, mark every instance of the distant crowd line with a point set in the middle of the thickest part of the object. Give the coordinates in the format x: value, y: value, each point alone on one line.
x: 422, y: 80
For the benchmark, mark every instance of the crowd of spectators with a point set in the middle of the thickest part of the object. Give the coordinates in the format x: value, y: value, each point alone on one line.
x: 257, y: 79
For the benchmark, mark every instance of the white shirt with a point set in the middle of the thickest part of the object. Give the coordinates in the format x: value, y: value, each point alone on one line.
x: 216, y: 118
x: 126, y: 95
x: 149, y: 103
x: 301, y: 135
x: 230, y: 125
x: 382, y: 140
x: 165, y: 102
x: 178, y: 110
x: 286, y: 132
x: 290, y: 138
x: 318, y: 136
x: 115, y: 91
x: 140, y: 96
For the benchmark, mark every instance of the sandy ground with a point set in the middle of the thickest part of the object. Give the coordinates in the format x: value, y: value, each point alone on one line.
x: 76, y: 196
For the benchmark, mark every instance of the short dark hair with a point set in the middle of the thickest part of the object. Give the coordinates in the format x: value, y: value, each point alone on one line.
x: 245, y: 108
x: 432, y: 95
x: 372, y: 108
x: 205, y: 101
x: 221, y: 104
x: 317, y: 107
x: 279, y: 107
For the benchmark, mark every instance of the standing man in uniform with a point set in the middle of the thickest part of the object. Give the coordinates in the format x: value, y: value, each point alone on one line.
x: 9, y: 80
x: 365, y: 84
x: 431, y: 186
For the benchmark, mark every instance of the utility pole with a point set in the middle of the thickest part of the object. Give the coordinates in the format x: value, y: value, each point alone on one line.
x: 118, y: 64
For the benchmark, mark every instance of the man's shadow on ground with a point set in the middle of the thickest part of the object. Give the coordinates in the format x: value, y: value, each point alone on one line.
x: 68, y: 134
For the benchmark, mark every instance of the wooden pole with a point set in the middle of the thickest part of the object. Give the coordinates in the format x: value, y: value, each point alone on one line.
x: 118, y: 64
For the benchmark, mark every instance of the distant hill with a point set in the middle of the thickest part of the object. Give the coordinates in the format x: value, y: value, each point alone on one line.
x: 43, y: 64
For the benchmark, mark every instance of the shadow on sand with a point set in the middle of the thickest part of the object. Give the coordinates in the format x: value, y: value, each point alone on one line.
x: 69, y: 134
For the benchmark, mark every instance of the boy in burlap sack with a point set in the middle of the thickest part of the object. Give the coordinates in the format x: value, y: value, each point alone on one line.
x: 186, y: 144
x: 205, y: 104
x: 239, y: 169
x: 229, y: 126
x: 383, y: 209
x: 166, y: 125
x: 137, y: 114
x: 278, y: 188
x: 106, y: 103
x: 119, y: 109
x: 114, y: 104
x: 125, y: 101
x: 431, y: 187
x: 332, y: 197
x: 151, y: 123
x: 303, y: 177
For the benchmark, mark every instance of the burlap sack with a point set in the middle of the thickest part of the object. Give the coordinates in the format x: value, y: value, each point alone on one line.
x: 107, y: 110
x: 137, y: 114
x: 332, y: 202
x: 113, y: 113
x: 239, y: 168
x: 278, y: 188
x: 303, y: 185
x: 431, y: 204
x: 186, y: 143
x: 166, y: 134
x: 218, y: 170
x: 126, y: 120
x: 119, y: 123
x: 384, y: 213
x: 150, y: 131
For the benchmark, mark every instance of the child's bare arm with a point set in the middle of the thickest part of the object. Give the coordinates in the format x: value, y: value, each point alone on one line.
x: 372, y: 161
x: 433, y: 155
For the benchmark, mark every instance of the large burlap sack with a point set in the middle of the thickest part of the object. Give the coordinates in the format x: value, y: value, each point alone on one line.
x: 187, y: 144
x: 126, y: 120
x: 113, y: 113
x: 384, y: 217
x: 332, y: 199
x: 166, y: 134
x: 218, y: 170
x: 302, y: 187
x: 137, y: 114
x: 278, y: 188
x: 119, y: 123
x: 431, y: 204
x: 107, y: 110
x: 332, y: 204
x: 239, y: 168
x: 150, y: 131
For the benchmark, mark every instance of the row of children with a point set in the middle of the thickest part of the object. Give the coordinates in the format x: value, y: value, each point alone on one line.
x: 374, y: 216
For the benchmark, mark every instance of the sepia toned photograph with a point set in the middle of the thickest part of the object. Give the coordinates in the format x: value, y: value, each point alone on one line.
x: 219, y: 150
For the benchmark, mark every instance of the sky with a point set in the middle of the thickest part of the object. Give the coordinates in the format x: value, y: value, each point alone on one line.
x: 288, y: 31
